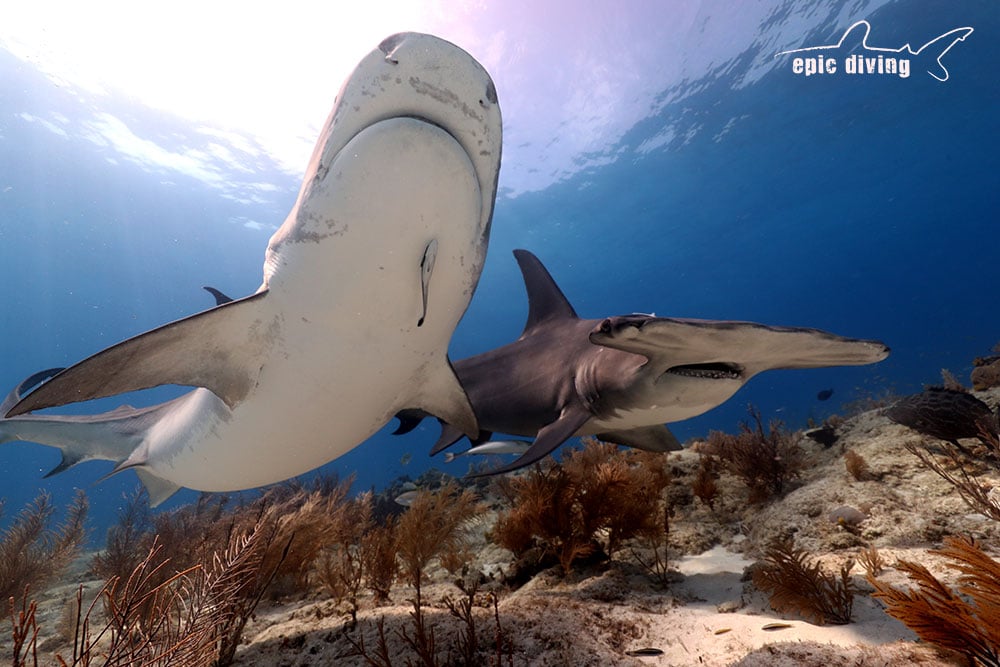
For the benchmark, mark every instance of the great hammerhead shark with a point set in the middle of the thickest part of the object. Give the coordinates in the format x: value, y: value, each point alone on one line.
x: 621, y: 378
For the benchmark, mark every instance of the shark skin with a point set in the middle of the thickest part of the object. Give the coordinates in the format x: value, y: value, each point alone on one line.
x: 364, y: 283
x: 621, y: 378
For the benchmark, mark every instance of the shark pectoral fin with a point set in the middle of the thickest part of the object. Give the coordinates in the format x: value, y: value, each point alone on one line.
x: 219, y: 349
x: 449, y: 436
x: 649, y: 438
x: 548, y: 438
x: 159, y: 489
x: 15, y: 394
x: 442, y: 395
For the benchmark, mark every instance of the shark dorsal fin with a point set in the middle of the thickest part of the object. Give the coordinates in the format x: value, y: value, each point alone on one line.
x: 546, y: 301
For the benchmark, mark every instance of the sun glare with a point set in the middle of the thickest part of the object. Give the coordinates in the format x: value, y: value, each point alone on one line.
x: 251, y: 67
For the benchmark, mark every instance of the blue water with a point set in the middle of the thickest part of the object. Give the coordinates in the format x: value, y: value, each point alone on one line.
x: 861, y: 205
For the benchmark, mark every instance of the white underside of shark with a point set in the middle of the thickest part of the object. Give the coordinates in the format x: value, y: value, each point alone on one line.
x: 363, y: 286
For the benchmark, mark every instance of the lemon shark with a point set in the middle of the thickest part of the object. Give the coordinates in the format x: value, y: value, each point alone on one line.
x: 622, y: 378
x: 363, y: 286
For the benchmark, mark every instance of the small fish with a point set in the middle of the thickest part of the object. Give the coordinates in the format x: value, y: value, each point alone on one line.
x: 824, y: 394
x: 407, y: 497
x: 492, y: 447
x: 644, y: 652
x: 405, y: 459
x: 776, y: 626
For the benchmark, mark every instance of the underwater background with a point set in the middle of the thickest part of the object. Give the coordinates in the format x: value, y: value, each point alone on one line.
x: 658, y: 158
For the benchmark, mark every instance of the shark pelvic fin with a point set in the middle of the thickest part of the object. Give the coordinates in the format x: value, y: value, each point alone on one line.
x: 211, y: 349
x: 545, y: 300
x: 159, y: 489
x: 442, y: 395
x: 649, y: 438
x: 69, y: 459
x: 408, y: 420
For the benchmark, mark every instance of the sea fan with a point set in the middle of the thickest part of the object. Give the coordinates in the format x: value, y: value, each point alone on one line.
x: 797, y: 585
x: 946, y: 414
x: 967, y: 619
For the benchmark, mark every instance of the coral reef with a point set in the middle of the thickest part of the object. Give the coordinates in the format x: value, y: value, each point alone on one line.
x: 310, y: 574
x: 986, y: 371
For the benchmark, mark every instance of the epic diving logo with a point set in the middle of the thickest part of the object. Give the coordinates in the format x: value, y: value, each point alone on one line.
x: 844, y: 56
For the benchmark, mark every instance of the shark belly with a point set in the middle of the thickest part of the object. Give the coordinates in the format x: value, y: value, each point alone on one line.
x: 356, y: 343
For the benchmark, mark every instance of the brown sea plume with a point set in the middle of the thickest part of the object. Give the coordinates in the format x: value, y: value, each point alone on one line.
x: 966, y: 619
x: 32, y: 553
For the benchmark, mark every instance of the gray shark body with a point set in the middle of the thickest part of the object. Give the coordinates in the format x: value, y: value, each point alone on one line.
x: 621, y: 378
x: 363, y: 286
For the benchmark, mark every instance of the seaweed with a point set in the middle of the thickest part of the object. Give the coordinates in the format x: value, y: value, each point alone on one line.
x: 967, y: 619
x: 952, y: 468
x: 764, y: 461
x: 798, y: 585
x: 597, y: 492
x: 127, y: 542
x: 705, y: 483
x: 32, y: 553
x: 871, y: 559
x: 158, y: 615
x: 24, y: 632
x: 856, y: 465
x: 341, y: 565
x: 378, y: 549
x: 433, y: 525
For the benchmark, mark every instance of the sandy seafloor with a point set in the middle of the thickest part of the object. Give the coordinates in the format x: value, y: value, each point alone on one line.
x: 709, y: 616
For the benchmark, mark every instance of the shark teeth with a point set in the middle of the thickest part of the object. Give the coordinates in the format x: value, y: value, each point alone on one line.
x: 709, y: 371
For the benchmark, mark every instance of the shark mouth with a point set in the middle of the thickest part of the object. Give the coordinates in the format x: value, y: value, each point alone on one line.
x: 716, y: 370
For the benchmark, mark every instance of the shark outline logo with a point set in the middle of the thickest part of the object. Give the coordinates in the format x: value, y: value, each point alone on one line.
x: 956, y: 35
